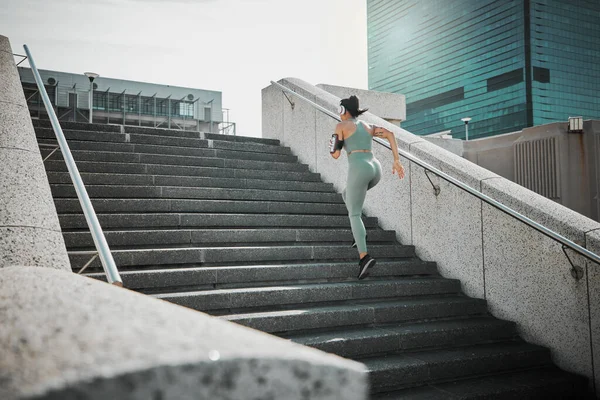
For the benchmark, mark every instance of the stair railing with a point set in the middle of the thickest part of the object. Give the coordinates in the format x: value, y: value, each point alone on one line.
x: 103, y: 251
x: 576, y: 271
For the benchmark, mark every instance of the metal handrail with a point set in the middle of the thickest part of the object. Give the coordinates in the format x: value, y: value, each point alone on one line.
x: 540, y: 228
x: 108, y: 263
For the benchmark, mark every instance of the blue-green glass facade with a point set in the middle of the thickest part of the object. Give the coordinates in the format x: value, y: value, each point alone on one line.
x: 565, y: 52
x: 506, y: 64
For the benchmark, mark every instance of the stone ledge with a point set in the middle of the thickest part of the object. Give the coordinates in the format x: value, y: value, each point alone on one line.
x: 66, y: 336
x: 390, y: 106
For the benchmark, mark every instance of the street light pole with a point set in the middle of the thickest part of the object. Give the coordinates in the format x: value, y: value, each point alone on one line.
x: 91, y: 76
x: 211, y: 115
x: 466, y: 121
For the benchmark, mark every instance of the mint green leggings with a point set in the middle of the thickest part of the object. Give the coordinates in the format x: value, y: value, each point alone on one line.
x: 364, y: 172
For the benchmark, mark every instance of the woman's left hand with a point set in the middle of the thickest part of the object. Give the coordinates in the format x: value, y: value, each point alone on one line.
x: 397, y: 167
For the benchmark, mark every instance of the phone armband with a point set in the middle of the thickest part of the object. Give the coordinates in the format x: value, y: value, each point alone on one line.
x: 335, y: 143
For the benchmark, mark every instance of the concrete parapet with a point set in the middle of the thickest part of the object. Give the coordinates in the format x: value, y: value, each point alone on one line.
x: 524, y: 275
x: 389, y: 106
x: 30, y: 233
x: 64, y: 336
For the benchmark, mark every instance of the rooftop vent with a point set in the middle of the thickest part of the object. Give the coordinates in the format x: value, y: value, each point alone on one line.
x: 575, y: 125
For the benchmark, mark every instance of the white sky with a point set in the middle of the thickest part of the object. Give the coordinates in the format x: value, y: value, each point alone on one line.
x: 232, y: 46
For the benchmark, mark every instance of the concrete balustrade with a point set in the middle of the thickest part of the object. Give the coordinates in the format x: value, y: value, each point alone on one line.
x: 29, y: 230
x: 523, y: 275
x: 65, y: 337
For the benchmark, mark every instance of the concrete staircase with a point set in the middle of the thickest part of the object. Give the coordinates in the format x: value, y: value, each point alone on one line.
x: 237, y: 228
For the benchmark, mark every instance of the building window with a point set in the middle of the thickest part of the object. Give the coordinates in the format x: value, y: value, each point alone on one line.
x: 148, y: 105
x: 162, y: 107
x: 186, y: 109
x: 115, y: 102
x: 505, y: 80
x: 100, y: 100
x: 541, y: 74
x: 131, y: 104
x: 438, y: 100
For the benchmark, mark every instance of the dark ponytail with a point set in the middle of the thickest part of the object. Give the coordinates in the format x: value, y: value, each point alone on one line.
x: 352, y: 106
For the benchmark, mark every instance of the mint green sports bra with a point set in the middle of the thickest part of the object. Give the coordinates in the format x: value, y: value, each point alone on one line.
x: 361, y: 139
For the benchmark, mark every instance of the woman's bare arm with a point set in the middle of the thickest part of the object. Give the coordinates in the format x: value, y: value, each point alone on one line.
x: 381, y: 132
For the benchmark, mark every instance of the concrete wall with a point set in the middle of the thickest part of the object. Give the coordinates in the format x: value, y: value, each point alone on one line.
x: 29, y: 230
x: 577, y: 159
x: 523, y: 275
x: 455, y: 146
x: 389, y: 106
x: 64, y: 336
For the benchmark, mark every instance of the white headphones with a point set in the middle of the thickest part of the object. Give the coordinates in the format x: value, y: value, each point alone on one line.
x: 342, y: 110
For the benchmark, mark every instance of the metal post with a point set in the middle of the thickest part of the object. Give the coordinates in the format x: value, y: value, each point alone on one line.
x: 123, y: 106
x: 154, y: 111
x: 91, y: 76
x: 108, y: 109
x: 91, y: 101
x: 140, y: 108
x: 169, y: 111
x: 466, y: 121
x: 197, y: 114
x: 211, y: 117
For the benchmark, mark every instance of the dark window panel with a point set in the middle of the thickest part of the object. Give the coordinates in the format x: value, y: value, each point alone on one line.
x: 505, y: 80
x: 438, y: 100
x: 541, y: 74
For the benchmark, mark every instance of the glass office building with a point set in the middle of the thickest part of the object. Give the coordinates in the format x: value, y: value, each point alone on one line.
x: 506, y: 64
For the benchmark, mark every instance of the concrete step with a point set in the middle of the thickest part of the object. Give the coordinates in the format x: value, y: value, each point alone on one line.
x: 159, y: 159
x: 135, y: 138
x: 248, y: 254
x: 190, y: 181
x: 356, y: 342
x: 84, y: 126
x: 214, y: 136
x: 76, y: 145
x: 200, y: 220
x: 175, y: 192
x: 128, y: 206
x: 180, y: 170
x: 191, y: 276
x: 133, y: 238
x: 45, y: 123
x: 189, y: 133
x: 360, y: 313
x: 306, y: 295
x: 416, y: 368
x: 545, y: 383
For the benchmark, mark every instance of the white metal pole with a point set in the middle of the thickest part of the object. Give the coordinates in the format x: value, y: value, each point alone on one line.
x: 91, y: 100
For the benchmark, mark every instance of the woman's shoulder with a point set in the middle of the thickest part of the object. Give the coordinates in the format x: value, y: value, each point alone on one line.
x: 345, y: 124
x: 365, y: 124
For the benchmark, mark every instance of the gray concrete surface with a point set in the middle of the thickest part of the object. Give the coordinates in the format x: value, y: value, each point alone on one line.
x: 389, y: 106
x: 29, y: 230
x: 65, y: 336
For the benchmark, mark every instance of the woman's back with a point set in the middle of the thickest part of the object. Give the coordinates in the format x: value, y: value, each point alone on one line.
x: 361, y: 139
